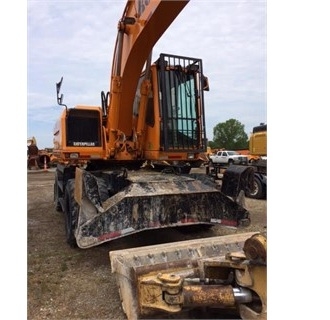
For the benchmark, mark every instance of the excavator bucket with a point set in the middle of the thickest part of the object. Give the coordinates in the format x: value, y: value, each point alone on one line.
x: 115, y: 204
x: 225, y: 272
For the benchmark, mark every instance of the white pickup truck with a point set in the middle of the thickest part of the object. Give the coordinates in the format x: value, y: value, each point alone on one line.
x: 228, y: 157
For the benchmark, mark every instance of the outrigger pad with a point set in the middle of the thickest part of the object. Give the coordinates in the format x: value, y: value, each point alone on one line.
x: 237, y: 178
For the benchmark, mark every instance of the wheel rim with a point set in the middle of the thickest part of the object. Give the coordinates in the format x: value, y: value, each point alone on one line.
x: 255, y: 189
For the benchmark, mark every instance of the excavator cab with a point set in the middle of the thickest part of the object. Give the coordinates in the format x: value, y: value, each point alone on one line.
x: 174, y: 118
x: 181, y: 99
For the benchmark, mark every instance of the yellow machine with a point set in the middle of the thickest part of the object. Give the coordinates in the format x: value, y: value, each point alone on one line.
x: 258, y: 151
x: 126, y: 166
x: 258, y: 141
x: 226, y: 274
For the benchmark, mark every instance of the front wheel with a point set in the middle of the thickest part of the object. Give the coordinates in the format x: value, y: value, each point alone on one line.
x: 70, y: 213
x: 57, y: 191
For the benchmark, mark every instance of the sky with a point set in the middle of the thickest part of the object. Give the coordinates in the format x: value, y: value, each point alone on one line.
x: 75, y: 40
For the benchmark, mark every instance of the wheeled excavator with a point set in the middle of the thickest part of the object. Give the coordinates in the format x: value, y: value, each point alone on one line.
x: 126, y: 166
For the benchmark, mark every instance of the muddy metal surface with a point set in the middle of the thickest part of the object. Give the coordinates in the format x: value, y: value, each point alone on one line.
x: 67, y: 283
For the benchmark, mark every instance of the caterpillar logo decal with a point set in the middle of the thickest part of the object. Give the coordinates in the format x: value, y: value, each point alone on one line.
x: 84, y: 144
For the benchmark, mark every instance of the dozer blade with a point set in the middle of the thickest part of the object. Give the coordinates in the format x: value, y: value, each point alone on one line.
x: 116, y: 204
x: 143, y: 272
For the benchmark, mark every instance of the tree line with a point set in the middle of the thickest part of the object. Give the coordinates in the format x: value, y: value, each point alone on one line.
x: 229, y: 135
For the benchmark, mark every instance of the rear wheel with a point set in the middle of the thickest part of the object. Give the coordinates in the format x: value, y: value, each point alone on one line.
x: 256, y: 192
x: 70, y: 213
x: 230, y: 161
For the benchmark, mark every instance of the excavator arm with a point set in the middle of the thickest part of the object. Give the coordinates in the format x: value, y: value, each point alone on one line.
x: 142, y: 24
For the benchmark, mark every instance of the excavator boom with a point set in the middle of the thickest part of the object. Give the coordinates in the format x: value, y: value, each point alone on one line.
x: 142, y: 24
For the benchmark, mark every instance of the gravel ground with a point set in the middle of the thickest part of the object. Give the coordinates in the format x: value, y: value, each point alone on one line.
x: 67, y: 283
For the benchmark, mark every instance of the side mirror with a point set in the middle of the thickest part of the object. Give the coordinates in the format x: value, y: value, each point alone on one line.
x: 58, y: 86
x: 59, y: 97
x: 206, y: 86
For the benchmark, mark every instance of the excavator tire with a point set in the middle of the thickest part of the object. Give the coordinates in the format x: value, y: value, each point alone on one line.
x: 57, y: 191
x: 70, y: 213
x: 257, y: 192
x: 102, y: 189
